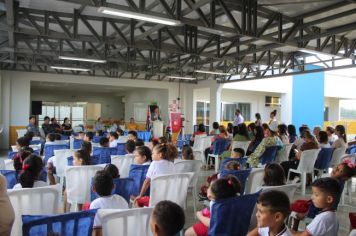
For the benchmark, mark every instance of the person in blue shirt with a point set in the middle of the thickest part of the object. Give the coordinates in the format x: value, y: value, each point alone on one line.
x: 32, y: 127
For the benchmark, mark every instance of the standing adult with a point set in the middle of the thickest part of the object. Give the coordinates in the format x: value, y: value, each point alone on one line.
x: 258, y: 121
x: 238, y: 118
x: 272, y: 115
x: 46, y: 126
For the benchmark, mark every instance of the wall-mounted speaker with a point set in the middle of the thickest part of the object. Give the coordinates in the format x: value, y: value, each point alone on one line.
x: 36, y: 107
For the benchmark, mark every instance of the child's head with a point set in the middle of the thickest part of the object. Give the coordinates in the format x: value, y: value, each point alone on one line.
x: 154, y: 142
x: 99, y: 133
x: 113, y: 136
x: 58, y: 137
x: 88, y: 136
x: 130, y: 146
x: 215, y: 125
x: 139, y: 142
x: 24, y: 153
x: 187, y: 153
x: 80, y: 135
x: 142, y: 154
x: 164, y: 151
x: 103, y: 183
x: 112, y: 170
x: 31, y: 169
x: 104, y: 142
x: 232, y: 165
x: 226, y: 187
x: 325, y: 192
x: 237, y: 153
x: 81, y: 158
x: 344, y: 170
x: 167, y: 219
x: 132, y: 135
x: 274, y: 175
x: 272, y: 209
x: 22, y: 142
x: 51, y: 137
x: 323, y: 137
x: 86, y: 146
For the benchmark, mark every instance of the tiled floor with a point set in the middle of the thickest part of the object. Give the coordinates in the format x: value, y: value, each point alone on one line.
x: 342, y: 212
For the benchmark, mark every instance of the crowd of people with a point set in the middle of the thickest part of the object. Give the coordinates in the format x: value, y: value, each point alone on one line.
x: 273, y: 207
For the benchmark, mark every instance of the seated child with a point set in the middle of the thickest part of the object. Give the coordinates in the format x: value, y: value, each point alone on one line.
x: 51, y: 138
x: 226, y: 187
x: 80, y: 135
x: 113, y: 138
x: 20, y: 157
x: 143, y: 155
x: 132, y: 135
x: 103, y: 186
x: 274, y: 175
x: 112, y: 170
x: 162, y: 156
x: 104, y: 142
x: 87, y: 147
x: 88, y: 137
x: 139, y: 142
x: 167, y: 219
x: 325, y: 192
x: 272, y: 211
x: 130, y: 146
x: 187, y: 153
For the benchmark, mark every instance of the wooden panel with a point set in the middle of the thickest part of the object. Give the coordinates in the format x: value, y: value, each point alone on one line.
x: 13, y: 134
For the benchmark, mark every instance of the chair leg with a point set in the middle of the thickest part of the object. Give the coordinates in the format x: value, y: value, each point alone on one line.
x: 216, y: 163
x: 194, y: 193
x: 304, y: 182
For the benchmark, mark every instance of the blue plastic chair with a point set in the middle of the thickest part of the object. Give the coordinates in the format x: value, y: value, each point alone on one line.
x: 232, y: 216
x: 324, y: 159
x: 219, y: 146
x: 123, y: 187
x: 241, y: 175
x: 11, y: 154
x: 77, y: 143
x: 269, y: 155
x: 121, y: 149
x: 96, y: 139
x: 64, y: 137
x: 144, y: 135
x: 187, y: 138
x: 242, y: 162
x: 70, y: 161
x: 74, y: 223
x: 104, y: 154
x: 11, y: 177
x: 351, y: 150
x: 138, y: 174
x: 49, y: 150
x: 35, y: 142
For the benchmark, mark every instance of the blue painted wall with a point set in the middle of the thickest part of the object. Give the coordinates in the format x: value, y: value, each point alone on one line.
x: 308, y: 100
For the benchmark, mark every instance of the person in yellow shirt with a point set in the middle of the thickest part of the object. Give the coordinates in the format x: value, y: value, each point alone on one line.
x: 132, y: 125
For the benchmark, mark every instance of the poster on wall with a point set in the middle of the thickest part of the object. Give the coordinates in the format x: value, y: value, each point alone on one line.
x: 176, y: 121
x: 153, y: 114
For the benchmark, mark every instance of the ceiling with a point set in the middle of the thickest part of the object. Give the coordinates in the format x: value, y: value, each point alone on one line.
x: 245, y: 39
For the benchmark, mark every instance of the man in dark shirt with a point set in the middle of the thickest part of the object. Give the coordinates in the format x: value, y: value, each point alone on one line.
x: 46, y: 126
x: 55, y: 127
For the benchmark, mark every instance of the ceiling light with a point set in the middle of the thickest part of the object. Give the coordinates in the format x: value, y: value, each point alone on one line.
x: 178, y: 77
x: 138, y: 16
x: 212, y: 72
x: 82, y: 59
x: 69, y: 68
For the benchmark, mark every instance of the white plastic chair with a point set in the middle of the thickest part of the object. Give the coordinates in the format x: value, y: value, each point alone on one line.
x: 123, y: 163
x: 33, y: 201
x: 42, y: 133
x: 306, y: 165
x: 254, y: 180
x: 353, y: 232
x: 2, y: 164
x: 199, y: 146
x: 122, y: 139
x: 21, y: 132
x: 133, y: 222
x: 36, y: 147
x: 241, y: 144
x: 61, y: 161
x: 337, y: 156
x: 184, y: 166
x: 78, y: 182
x: 9, y: 164
x: 14, y: 148
x: 77, y: 129
x: 283, y: 154
x: 172, y: 187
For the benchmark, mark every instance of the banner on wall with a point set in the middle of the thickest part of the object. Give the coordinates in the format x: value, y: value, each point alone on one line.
x: 176, y: 121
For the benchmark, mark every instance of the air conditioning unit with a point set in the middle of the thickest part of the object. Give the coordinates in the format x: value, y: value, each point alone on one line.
x: 271, y: 101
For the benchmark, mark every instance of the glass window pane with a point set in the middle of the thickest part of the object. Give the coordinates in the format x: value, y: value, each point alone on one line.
x: 228, y: 111
x: 245, y: 109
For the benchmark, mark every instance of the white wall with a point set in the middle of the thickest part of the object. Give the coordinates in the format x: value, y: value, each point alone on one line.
x: 111, y: 106
x: 334, y: 108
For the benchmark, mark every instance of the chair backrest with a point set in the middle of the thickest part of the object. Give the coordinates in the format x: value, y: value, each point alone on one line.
x: 242, y: 162
x: 11, y: 177
x: 352, y: 149
x: 96, y: 139
x: 2, y: 164
x: 78, y: 182
x: 21, y: 132
x: 255, y: 179
x: 126, y: 222
x: 34, y: 201
x: 198, y: 142
x: 49, y: 150
x: 138, y: 174
x: 61, y: 160
x: 74, y: 223
x: 122, y: 139
x: 104, y: 154
x: 241, y: 175
x: 219, y: 146
x: 283, y: 154
x: 123, y: 187
x: 225, y: 221
x: 9, y: 164
x: 173, y: 187
x: 269, y: 155
x: 337, y: 156
x: 324, y: 158
x: 36, y: 147
x: 123, y: 163
x: 121, y: 149
x: 144, y: 135
x: 77, y: 143
x: 307, y: 160
x: 241, y: 144
x: 184, y: 166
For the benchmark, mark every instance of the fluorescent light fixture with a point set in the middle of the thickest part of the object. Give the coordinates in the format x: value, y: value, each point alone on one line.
x: 178, y: 77
x: 82, y: 59
x: 212, y: 72
x: 138, y: 16
x: 69, y: 68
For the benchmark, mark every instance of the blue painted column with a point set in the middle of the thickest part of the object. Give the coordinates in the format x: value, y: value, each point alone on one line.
x: 308, y: 100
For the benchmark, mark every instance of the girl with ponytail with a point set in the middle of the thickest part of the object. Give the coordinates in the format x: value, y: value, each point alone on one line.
x: 341, y: 134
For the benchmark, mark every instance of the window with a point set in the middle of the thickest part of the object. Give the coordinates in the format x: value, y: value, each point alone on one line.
x: 228, y: 111
x: 272, y: 101
x: 202, y: 112
x: 347, y: 110
x: 245, y: 109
